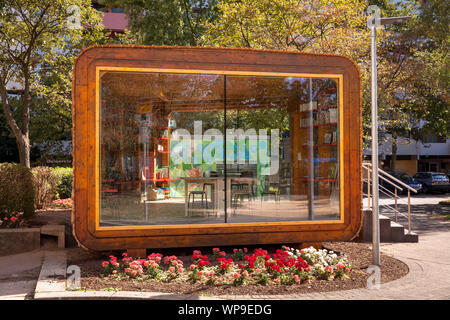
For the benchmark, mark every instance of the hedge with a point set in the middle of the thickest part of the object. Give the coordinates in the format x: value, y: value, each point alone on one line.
x: 17, y: 190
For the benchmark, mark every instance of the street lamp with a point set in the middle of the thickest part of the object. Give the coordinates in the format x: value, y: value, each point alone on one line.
x: 373, y: 22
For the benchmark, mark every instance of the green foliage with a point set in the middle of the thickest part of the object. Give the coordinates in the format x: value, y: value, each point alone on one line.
x: 16, y: 190
x: 166, y: 22
x: 38, y: 44
x: 337, y: 26
x: 65, y: 180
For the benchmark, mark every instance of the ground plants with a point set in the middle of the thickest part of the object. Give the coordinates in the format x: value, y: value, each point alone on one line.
x: 286, y: 266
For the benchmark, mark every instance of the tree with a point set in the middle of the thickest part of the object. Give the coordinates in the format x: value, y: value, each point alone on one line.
x: 416, y: 102
x: 166, y: 22
x: 338, y: 26
x: 32, y: 34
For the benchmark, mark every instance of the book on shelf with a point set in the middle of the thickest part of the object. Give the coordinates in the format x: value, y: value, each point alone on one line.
x: 327, y: 138
x: 308, y: 106
x: 332, y: 115
x: 322, y: 117
x: 332, y: 170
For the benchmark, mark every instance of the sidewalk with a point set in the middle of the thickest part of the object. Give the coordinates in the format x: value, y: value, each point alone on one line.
x: 19, y: 275
x: 428, y: 277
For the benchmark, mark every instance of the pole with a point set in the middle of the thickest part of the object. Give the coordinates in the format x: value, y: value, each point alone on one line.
x: 375, y: 211
x: 311, y: 154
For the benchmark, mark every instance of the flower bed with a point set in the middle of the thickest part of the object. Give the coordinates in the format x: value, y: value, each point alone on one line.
x: 12, y: 221
x: 63, y: 203
x: 359, y: 255
x: 287, y: 266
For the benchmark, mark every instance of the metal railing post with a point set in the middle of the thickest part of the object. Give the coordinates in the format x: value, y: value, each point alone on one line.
x: 409, y: 212
x: 368, y: 188
x: 395, y: 197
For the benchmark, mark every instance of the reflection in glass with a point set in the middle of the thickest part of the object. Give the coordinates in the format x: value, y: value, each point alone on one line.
x: 204, y: 148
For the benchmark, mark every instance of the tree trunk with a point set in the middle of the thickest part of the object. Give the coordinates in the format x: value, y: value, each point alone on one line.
x: 22, y: 137
x: 394, y: 151
x: 26, y: 121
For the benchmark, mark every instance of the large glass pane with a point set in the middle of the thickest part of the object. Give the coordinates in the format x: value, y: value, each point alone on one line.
x: 282, y: 142
x: 152, y: 140
x: 165, y: 158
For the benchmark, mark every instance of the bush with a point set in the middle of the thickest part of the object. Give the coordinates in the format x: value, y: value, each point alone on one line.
x: 17, y: 191
x: 65, y: 179
x: 45, y: 182
x: 52, y: 183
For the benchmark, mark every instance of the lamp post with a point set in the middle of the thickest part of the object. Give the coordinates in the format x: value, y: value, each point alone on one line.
x: 373, y: 22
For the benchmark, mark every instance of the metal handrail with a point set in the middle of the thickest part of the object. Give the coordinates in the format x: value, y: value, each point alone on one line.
x: 391, y: 177
x: 367, y: 166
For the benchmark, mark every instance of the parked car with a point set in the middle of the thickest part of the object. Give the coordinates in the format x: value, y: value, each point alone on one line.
x: 406, y: 179
x: 433, y: 181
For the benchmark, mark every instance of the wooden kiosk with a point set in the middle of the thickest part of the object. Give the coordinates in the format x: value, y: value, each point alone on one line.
x: 132, y: 103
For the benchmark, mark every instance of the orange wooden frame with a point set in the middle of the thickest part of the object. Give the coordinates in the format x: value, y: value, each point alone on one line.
x: 85, y: 214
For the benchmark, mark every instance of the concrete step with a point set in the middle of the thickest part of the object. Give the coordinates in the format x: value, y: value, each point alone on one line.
x: 390, y: 231
x: 397, y: 232
x: 410, y: 237
x: 57, y: 231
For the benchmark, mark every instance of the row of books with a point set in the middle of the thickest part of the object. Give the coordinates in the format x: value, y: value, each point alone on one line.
x: 321, y: 117
x: 330, y: 137
x: 162, y: 173
x: 331, y: 170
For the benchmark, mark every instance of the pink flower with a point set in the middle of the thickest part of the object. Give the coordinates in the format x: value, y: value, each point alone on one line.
x: 347, y: 270
x: 236, y: 275
x: 105, y: 263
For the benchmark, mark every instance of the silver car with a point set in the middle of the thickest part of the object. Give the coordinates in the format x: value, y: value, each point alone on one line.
x: 433, y: 181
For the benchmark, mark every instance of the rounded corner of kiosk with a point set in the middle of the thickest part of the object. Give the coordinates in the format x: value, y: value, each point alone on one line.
x: 87, y: 229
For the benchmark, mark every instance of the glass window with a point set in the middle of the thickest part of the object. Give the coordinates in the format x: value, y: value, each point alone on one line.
x: 180, y: 148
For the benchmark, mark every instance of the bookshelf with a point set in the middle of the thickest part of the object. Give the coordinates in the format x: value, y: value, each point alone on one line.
x: 315, y: 146
x: 156, y: 149
x: 136, y: 149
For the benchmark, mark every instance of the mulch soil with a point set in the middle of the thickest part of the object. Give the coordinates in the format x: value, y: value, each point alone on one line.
x: 359, y: 255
